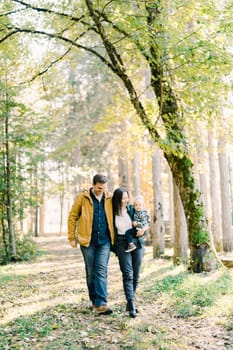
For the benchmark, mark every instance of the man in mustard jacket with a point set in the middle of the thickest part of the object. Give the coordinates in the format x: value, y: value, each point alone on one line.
x: 92, y: 213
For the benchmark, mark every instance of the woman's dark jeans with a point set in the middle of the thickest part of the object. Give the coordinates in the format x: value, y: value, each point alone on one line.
x: 130, y: 265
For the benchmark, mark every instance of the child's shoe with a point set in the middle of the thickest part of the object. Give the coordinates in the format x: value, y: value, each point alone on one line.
x: 130, y: 248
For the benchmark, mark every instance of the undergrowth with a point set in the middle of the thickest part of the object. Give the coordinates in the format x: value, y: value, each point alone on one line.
x: 26, y: 250
x: 72, y: 326
x: 189, y: 294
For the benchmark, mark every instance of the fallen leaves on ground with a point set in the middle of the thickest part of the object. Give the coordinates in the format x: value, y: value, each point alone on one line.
x: 44, y: 306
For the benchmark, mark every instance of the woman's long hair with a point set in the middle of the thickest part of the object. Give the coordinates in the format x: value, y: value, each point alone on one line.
x: 117, y: 200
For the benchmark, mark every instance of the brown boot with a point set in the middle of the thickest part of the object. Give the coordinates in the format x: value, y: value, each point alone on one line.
x: 102, y: 310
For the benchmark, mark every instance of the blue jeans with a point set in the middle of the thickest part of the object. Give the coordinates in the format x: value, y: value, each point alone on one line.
x: 96, y: 259
x: 130, y: 265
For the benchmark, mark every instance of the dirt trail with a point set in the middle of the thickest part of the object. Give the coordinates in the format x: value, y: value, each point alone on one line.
x: 58, y: 277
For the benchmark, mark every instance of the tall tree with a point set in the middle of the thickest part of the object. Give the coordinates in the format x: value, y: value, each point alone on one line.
x: 214, y: 190
x: 181, y: 233
x: 136, y: 173
x: 227, y: 231
x: 158, y: 233
x: 8, y: 177
x: 144, y: 28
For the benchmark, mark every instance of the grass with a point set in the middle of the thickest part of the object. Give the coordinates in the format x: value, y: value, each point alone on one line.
x: 5, y: 279
x: 189, y: 294
x: 171, y: 300
x: 74, y: 327
x: 197, y: 293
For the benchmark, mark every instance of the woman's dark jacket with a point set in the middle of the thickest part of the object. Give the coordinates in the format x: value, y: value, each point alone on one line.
x: 139, y: 241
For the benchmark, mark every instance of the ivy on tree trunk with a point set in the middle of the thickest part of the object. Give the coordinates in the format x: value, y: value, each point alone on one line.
x: 175, y: 146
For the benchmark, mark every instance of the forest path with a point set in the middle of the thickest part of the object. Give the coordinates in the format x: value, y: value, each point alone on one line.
x: 44, y: 305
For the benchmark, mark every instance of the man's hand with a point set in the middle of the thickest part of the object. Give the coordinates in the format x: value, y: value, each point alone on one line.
x: 73, y: 244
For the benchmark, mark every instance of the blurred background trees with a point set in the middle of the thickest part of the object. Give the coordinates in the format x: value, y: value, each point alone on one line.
x: 84, y: 86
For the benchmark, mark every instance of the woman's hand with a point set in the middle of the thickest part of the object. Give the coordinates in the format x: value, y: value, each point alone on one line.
x: 140, y: 232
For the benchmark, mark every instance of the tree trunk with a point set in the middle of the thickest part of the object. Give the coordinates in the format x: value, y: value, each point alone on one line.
x: 227, y: 231
x: 4, y: 237
x: 61, y: 197
x: 12, y: 243
x: 136, y: 172
x: 42, y: 218
x: 171, y: 210
x: 42, y: 200
x: 36, y: 228
x: 123, y: 163
x: 36, y: 224
x: 181, y: 232
x: 158, y: 220
x: 214, y: 191
x: 123, y: 173
x: 204, y: 193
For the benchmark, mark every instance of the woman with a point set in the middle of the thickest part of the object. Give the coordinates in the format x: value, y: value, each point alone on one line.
x: 130, y: 263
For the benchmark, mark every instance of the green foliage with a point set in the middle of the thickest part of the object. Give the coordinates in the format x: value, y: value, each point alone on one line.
x: 26, y: 249
x: 200, y: 237
x: 194, y: 208
x: 191, y: 300
x: 21, y: 139
x: 167, y: 284
x: 190, y: 295
x: 197, y: 224
x: 27, y: 328
x: 185, y: 49
x: 5, y: 279
x: 230, y: 325
x: 4, y: 259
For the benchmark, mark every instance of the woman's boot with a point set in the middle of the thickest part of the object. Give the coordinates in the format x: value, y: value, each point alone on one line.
x: 127, y: 308
x: 131, y: 308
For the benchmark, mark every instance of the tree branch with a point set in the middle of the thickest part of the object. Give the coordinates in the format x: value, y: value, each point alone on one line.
x: 46, y: 10
x: 47, y: 68
x: 120, y: 70
x: 11, y: 13
x: 73, y: 43
x: 7, y: 36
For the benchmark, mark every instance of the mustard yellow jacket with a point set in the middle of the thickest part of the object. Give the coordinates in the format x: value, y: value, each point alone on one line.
x: 81, y: 215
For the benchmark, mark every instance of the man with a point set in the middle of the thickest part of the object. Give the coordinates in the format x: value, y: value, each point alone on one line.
x: 92, y: 211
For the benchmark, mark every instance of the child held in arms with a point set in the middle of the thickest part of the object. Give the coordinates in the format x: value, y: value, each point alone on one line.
x: 141, y: 219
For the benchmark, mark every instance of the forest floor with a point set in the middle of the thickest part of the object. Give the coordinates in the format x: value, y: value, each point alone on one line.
x: 44, y: 305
